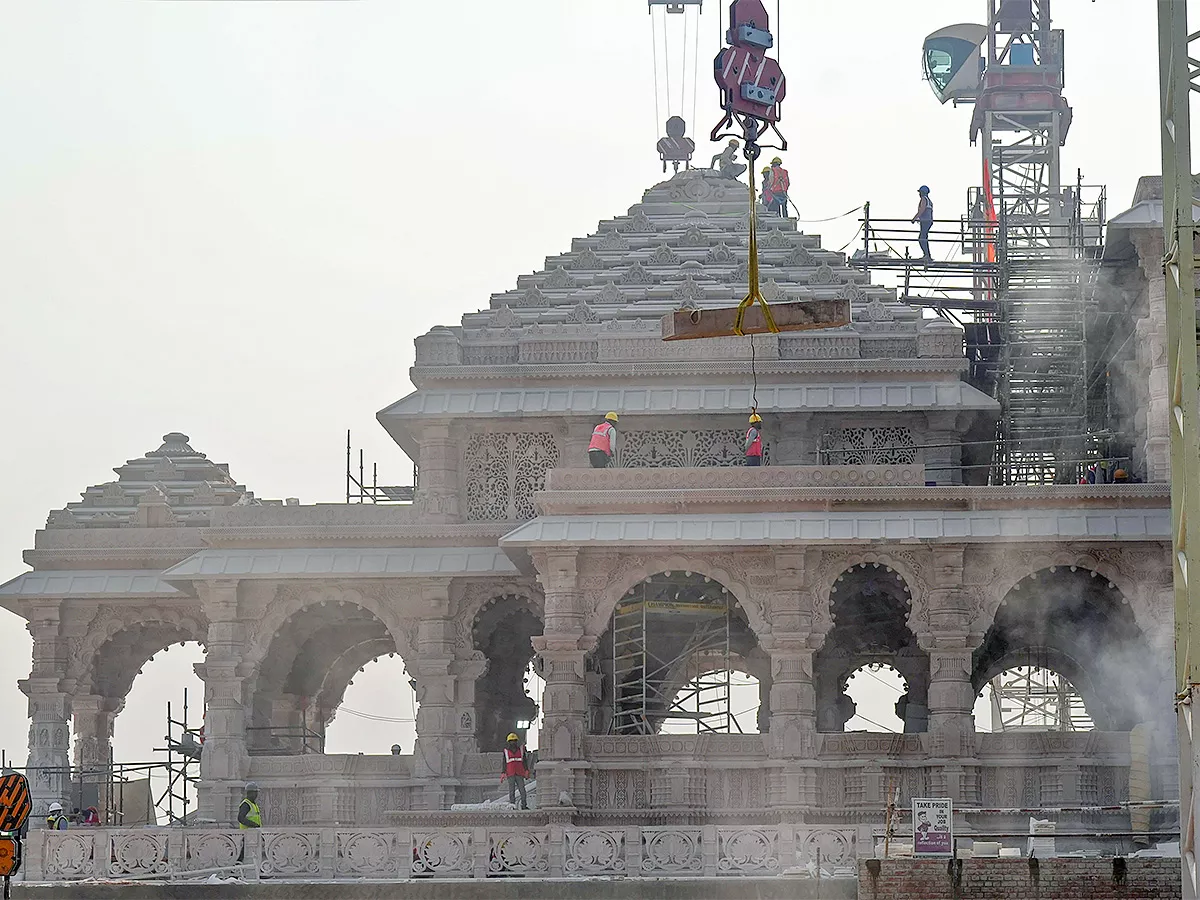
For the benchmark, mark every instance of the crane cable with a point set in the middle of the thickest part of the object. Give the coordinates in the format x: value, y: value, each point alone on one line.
x: 654, y: 48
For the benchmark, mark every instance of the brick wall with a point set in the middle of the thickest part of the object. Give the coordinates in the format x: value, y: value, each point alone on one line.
x: 1009, y: 879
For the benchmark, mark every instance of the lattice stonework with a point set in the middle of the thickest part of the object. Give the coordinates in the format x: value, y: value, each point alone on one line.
x: 674, y: 449
x: 892, y: 446
x: 502, y: 470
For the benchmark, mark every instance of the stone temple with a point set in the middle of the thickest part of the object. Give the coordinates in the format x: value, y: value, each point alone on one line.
x: 871, y: 537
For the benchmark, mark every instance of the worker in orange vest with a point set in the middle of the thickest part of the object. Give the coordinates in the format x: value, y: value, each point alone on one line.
x: 604, y: 442
x: 515, y: 770
x: 778, y: 184
x: 754, y: 441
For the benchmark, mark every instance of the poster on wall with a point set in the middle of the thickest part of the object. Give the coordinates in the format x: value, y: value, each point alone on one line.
x: 933, y: 827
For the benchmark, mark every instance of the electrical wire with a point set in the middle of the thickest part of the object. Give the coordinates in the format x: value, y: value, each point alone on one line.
x: 859, y: 715
x: 372, y: 717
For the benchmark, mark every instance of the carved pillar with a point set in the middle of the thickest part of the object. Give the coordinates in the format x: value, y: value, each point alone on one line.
x: 49, y: 709
x: 943, y: 454
x: 563, y: 649
x: 437, y: 496
x: 579, y: 435
x: 445, y: 719
x: 225, y: 761
x: 1152, y: 355
x: 950, y: 644
x: 92, y: 718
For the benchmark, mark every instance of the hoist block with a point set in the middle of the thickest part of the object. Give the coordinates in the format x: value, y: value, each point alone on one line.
x: 797, y: 315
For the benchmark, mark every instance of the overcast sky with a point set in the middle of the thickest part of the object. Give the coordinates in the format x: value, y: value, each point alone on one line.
x: 232, y: 218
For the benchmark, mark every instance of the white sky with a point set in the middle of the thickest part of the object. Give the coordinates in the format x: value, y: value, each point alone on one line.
x: 232, y: 219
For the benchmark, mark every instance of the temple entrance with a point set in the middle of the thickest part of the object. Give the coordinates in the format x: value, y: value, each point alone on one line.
x: 669, y: 657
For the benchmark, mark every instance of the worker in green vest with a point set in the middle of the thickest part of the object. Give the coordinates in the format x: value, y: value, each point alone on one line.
x: 249, y: 815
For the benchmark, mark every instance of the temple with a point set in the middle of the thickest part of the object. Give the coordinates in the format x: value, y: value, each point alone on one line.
x: 871, y: 536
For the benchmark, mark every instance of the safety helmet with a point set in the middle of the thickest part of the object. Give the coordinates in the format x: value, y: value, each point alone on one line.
x: 923, y: 189
x: 1120, y: 473
x: 766, y: 170
x: 612, y: 417
x: 55, y: 807
x: 251, y: 786
x: 733, y: 143
x: 777, y: 161
x: 755, y: 418
x: 512, y: 737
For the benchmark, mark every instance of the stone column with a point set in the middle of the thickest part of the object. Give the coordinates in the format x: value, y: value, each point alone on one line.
x: 92, y: 717
x: 563, y: 649
x: 225, y: 761
x: 438, y: 490
x: 445, y: 719
x: 1152, y: 355
x: 943, y: 458
x: 49, y: 759
x: 579, y: 435
x: 792, y: 732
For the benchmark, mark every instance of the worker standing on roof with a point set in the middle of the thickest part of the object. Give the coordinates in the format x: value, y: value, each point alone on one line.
x: 515, y: 770
x: 604, y: 442
x: 925, y: 217
x: 55, y: 819
x: 730, y: 167
x: 249, y: 814
x: 765, y: 196
x: 780, y: 182
x: 754, y: 441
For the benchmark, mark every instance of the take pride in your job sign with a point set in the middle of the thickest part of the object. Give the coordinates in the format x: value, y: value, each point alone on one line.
x: 933, y: 827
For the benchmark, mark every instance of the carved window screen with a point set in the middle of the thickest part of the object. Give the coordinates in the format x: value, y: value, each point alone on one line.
x: 503, y: 470
x: 890, y: 446
x: 676, y: 449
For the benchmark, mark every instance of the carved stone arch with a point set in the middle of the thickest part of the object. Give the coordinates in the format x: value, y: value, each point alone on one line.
x: 599, y: 604
x: 186, y: 621
x: 471, y: 598
x: 834, y: 566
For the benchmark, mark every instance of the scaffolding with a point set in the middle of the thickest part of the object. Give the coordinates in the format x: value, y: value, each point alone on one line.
x: 359, y: 490
x: 670, y: 657
x: 1034, y: 698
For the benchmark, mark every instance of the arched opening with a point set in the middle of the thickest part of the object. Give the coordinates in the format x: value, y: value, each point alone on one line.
x: 1066, y: 626
x: 503, y: 632
x: 877, y: 696
x: 375, y: 710
x: 668, y: 660
x: 311, y: 661
x: 869, y: 605
x: 1031, y: 698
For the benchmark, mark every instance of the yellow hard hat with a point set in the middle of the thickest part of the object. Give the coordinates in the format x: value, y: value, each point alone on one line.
x: 512, y: 737
x: 755, y: 418
x: 612, y: 417
x: 766, y: 169
x: 733, y: 143
x: 777, y: 161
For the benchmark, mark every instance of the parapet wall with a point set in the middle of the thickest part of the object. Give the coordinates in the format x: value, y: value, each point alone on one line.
x: 1018, y: 879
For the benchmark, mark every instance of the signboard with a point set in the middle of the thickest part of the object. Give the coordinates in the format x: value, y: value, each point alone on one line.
x: 10, y: 856
x: 14, y: 801
x: 933, y: 827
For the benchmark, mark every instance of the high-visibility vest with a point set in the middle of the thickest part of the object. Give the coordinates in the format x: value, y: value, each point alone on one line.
x: 602, y: 438
x: 56, y: 822
x: 514, y: 762
x: 254, y: 816
x: 754, y: 441
x: 780, y: 180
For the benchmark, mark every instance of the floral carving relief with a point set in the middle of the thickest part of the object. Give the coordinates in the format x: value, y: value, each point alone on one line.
x: 503, y: 470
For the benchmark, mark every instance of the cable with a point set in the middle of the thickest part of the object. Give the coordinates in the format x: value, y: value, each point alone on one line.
x: 372, y: 716
x: 654, y: 46
x: 859, y: 715
x: 881, y: 681
x: 667, y: 61
x: 848, y: 212
x: 683, y: 75
x: 695, y: 68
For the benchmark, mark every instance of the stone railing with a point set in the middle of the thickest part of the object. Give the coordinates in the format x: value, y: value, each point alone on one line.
x: 536, y: 849
x: 731, y: 478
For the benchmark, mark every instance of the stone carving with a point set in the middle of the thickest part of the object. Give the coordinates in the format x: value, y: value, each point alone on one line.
x: 445, y: 853
x: 694, y: 237
x: 502, y: 471
x: 518, y: 853
x: 771, y: 291
x: 747, y: 851
x: 826, y: 346
x: 612, y: 240
x: 775, y: 239
x: 823, y: 274
x: 290, y: 853
x: 69, y: 855
x: 638, y: 223
x: 888, y: 348
x: 637, y: 274
x: 671, y: 851
x: 721, y: 254
x: 366, y: 854
x: 664, y: 256
x: 740, y: 274
x: 141, y: 853
x: 594, y: 852
x: 802, y: 257
x: 855, y: 294
x: 559, y: 278
x: 610, y: 293
x: 875, y: 311
x: 688, y: 291
x: 588, y: 259
x: 582, y: 314
x: 658, y: 449
x: 212, y: 849
x: 532, y: 296
x: 833, y: 847
x: 868, y: 447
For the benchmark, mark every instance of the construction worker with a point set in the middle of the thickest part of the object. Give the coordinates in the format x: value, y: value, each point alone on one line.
x: 780, y: 183
x: 55, y: 819
x: 754, y: 441
x: 515, y: 770
x: 925, y: 217
x: 249, y: 815
x: 730, y: 167
x: 604, y: 442
x: 766, y: 197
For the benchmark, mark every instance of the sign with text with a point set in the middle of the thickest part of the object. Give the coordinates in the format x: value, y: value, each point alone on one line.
x: 933, y: 827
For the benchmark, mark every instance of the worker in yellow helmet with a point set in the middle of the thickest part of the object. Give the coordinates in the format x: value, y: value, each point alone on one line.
x: 754, y: 441
x: 604, y: 442
x: 765, y: 196
x: 729, y: 166
x: 249, y: 813
x: 515, y: 770
x: 779, y: 182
